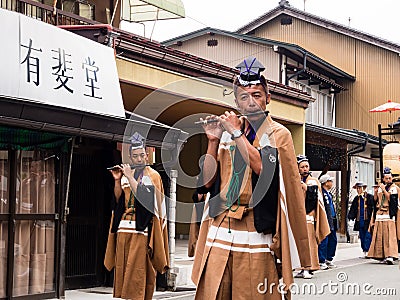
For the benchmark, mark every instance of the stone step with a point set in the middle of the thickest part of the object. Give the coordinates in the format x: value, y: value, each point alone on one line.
x: 183, y: 268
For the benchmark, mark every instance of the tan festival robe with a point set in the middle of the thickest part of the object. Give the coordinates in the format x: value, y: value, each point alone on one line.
x: 384, y: 241
x: 231, y: 238
x: 136, y: 258
x: 194, y: 229
x: 317, y: 225
x: 398, y: 220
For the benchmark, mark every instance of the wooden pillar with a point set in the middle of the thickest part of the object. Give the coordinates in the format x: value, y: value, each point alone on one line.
x: 343, y: 191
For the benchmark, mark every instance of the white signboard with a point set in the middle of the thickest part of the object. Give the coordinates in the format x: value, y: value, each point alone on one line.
x: 40, y: 62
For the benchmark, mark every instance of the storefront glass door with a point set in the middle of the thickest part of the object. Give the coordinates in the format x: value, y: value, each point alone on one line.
x: 4, y: 210
x: 28, y: 191
x: 34, y: 238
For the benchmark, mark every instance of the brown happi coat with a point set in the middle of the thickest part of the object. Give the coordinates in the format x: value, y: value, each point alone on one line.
x: 398, y: 220
x: 231, y: 238
x: 317, y: 225
x: 384, y: 241
x: 136, y: 256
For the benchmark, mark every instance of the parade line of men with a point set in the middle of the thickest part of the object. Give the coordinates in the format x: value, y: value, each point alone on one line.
x: 262, y: 217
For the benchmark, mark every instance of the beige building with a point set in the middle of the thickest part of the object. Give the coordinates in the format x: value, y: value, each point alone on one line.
x: 372, y: 61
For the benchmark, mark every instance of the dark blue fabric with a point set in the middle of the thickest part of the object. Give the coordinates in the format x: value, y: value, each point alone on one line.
x: 327, y: 248
x: 329, y: 209
x: 331, y: 205
x: 365, y: 238
x: 322, y: 250
x: 361, y: 211
x: 251, y: 136
x: 138, y: 173
x: 353, y: 212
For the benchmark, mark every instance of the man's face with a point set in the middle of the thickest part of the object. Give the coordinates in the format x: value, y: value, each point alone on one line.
x: 252, y: 99
x: 328, y: 184
x: 387, y: 178
x: 304, y: 167
x: 139, y: 156
x: 359, y: 189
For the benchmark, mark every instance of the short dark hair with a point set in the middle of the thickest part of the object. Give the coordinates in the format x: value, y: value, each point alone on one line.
x: 263, y: 83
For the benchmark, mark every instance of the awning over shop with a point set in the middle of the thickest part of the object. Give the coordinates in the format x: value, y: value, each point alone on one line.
x: 318, y: 134
x: 327, y: 147
x: 55, y: 119
x: 26, y: 139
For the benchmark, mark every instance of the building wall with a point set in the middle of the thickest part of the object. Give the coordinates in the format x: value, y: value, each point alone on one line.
x: 298, y: 133
x: 155, y: 77
x: 376, y: 70
x: 328, y: 45
x: 231, y: 52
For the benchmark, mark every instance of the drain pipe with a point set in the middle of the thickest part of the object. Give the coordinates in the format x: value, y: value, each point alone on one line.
x: 172, y: 272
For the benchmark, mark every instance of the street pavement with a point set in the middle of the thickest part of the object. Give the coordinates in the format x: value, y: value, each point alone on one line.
x: 353, y: 278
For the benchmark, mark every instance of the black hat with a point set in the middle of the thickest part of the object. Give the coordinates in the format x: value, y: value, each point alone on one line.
x: 250, y: 70
x: 359, y: 184
x: 301, y: 158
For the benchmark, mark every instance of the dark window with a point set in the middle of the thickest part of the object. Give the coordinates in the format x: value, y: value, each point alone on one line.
x: 286, y: 20
x: 212, y: 43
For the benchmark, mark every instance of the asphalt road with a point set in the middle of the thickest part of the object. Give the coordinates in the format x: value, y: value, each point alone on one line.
x: 353, y: 278
x: 361, y: 279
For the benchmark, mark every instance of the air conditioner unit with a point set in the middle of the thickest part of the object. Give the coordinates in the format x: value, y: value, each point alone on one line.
x: 81, y: 8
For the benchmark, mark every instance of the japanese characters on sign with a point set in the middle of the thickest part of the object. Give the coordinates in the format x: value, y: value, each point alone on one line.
x: 60, y: 68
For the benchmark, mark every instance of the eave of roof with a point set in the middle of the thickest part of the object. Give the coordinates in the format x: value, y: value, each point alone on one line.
x: 351, y: 137
x: 371, y: 138
x: 258, y: 40
x: 294, y: 12
x: 322, y: 79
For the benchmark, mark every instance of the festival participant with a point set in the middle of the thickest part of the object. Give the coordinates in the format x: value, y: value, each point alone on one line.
x: 256, y: 224
x: 327, y: 248
x: 139, y: 222
x: 384, y: 240
x: 317, y: 221
x: 361, y: 211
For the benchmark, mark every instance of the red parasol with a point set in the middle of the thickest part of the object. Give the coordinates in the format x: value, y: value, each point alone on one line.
x: 387, y: 107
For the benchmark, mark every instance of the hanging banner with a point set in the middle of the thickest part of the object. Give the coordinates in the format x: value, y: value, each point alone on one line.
x: 46, y: 64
